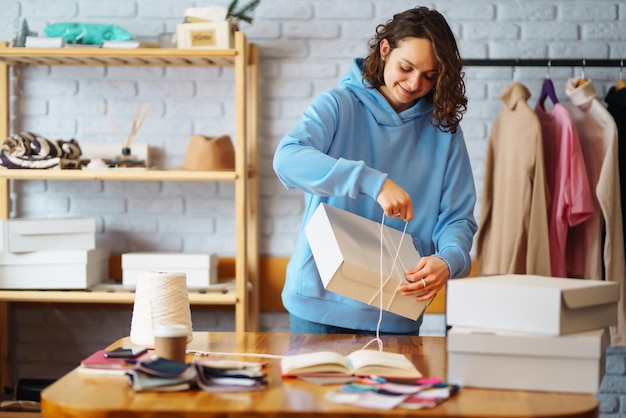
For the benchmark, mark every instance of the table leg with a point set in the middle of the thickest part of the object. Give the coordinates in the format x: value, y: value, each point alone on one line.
x: 5, y: 364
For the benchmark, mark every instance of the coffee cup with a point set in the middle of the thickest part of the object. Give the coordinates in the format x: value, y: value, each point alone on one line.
x: 170, y: 342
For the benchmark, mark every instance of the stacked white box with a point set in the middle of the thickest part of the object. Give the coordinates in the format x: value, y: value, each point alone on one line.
x: 62, y: 269
x: 25, y: 235
x: 51, y: 254
x: 200, y: 269
x: 529, y: 332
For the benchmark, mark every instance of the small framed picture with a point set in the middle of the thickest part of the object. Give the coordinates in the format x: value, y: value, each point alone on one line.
x: 206, y: 35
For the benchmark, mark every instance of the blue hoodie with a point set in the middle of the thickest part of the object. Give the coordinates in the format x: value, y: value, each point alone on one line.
x: 348, y: 142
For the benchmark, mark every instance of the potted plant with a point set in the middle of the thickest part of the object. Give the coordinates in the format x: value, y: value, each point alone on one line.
x: 242, y: 14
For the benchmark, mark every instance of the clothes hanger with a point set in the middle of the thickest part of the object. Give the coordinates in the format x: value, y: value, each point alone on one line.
x: 582, y: 80
x: 547, y: 88
x: 620, y: 83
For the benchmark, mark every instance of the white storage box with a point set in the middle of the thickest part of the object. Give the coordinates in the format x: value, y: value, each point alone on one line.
x: 504, y: 360
x: 200, y: 269
x: 535, y: 304
x: 24, y: 235
x: 63, y: 269
x: 347, y: 247
x: 205, y: 35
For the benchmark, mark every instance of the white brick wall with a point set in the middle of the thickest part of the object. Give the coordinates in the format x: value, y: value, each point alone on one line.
x: 305, y: 47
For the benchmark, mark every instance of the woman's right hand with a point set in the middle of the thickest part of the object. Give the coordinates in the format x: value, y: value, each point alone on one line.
x: 395, y: 201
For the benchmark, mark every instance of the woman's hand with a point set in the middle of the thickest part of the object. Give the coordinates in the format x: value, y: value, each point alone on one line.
x: 395, y: 201
x: 426, y: 279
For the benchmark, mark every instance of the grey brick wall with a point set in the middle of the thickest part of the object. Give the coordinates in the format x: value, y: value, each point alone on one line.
x: 305, y: 46
x: 612, y: 393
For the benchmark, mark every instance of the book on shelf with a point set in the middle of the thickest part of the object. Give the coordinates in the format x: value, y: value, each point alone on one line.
x: 358, y: 363
x: 44, y: 42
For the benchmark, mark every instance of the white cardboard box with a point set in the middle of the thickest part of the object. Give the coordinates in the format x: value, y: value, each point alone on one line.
x: 24, y: 235
x: 205, y: 35
x: 572, y: 363
x: 200, y: 269
x: 346, y: 248
x: 62, y: 269
x: 534, y: 304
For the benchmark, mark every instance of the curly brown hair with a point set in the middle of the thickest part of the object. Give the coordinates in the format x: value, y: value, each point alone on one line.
x: 448, y: 94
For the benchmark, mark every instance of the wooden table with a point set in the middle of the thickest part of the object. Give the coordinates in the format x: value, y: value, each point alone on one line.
x: 87, y: 396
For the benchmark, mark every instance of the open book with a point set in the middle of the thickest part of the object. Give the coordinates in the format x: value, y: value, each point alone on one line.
x: 358, y: 363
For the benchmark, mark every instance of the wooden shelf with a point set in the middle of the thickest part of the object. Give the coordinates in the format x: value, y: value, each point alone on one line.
x: 85, y: 56
x: 84, y: 296
x: 118, y: 174
x: 243, y: 297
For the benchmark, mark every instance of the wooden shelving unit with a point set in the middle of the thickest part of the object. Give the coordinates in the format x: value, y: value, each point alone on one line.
x: 244, y: 296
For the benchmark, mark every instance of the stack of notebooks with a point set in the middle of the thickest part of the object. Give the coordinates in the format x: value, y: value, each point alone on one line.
x: 98, y: 363
x: 529, y: 332
x: 146, y: 372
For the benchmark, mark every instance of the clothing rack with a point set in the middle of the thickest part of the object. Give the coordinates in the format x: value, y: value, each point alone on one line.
x: 543, y: 62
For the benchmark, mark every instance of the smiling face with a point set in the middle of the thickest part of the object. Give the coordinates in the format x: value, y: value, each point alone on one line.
x: 410, y: 71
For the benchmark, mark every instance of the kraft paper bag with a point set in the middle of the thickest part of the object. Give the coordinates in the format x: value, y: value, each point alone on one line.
x: 347, y: 251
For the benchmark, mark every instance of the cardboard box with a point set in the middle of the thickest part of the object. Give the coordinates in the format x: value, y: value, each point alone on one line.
x: 200, y: 269
x: 534, y: 304
x: 205, y: 35
x: 62, y: 269
x: 504, y: 360
x: 24, y: 235
x: 346, y: 248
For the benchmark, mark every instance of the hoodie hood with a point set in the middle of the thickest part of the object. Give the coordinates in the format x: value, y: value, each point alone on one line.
x: 376, y: 103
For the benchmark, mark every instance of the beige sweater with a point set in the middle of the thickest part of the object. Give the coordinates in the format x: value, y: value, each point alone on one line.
x: 599, y: 140
x: 513, y: 231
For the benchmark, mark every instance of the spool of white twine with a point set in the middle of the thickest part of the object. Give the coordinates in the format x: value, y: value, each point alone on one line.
x: 161, y: 298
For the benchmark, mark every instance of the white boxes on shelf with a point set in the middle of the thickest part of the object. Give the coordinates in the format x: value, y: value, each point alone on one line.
x: 26, y: 235
x: 346, y: 248
x: 535, y: 304
x: 200, y: 269
x: 505, y: 360
x: 59, y: 269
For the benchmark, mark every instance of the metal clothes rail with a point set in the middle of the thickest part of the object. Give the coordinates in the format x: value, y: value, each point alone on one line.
x: 543, y: 62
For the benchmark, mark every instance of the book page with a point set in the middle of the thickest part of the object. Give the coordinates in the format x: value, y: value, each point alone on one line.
x: 316, y: 362
x: 382, y: 363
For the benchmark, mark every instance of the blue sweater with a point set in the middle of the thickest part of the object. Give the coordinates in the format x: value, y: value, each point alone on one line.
x: 348, y: 142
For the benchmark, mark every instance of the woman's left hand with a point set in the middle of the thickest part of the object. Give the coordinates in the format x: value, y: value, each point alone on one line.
x: 426, y: 279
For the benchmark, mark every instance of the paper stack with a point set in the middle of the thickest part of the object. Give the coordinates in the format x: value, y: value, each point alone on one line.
x: 44, y: 42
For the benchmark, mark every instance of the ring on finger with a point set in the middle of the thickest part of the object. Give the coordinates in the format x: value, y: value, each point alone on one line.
x: 424, y: 283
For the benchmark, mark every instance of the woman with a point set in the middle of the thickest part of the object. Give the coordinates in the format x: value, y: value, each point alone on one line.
x: 386, y: 141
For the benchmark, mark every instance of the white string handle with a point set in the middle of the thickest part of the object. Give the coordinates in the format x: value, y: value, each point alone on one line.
x: 380, y: 290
